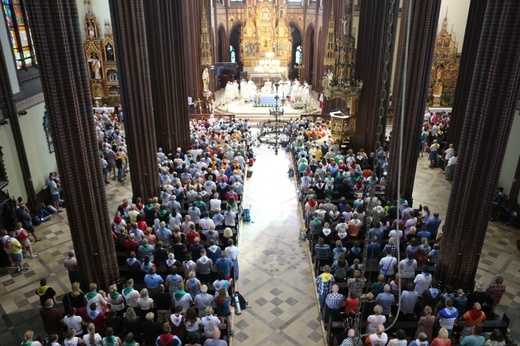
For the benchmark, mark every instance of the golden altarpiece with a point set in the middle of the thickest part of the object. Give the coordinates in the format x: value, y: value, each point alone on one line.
x: 266, y: 31
x: 445, y: 69
x: 100, y: 57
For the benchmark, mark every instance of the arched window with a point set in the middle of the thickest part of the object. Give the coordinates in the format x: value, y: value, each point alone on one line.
x: 233, y: 54
x: 298, y: 56
x: 19, y: 33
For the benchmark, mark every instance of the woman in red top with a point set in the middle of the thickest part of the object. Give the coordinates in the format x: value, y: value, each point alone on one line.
x: 351, y: 304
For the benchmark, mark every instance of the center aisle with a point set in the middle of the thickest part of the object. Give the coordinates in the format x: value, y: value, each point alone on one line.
x: 275, y: 275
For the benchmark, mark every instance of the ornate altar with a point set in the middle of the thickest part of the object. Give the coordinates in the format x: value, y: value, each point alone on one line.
x: 100, y: 57
x: 266, y: 29
x: 445, y: 69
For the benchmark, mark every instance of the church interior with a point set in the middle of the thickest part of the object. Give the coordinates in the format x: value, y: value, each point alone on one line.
x: 368, y: 69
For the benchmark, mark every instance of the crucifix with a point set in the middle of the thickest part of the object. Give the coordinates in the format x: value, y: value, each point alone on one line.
x: 199, y: 104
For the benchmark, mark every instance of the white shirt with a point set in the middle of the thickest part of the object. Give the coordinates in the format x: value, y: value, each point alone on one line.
x: 422, y: 282
x: 98, y: 341
x: 131, y: 298
x: 74, y: 322
x: 448, y: 153
x: 232, y: 252
x: 388, y: 263
x: 210, y: 324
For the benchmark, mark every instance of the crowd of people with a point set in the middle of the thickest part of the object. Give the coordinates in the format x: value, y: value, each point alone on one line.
x: 368, y: 285
x: 177, y: 250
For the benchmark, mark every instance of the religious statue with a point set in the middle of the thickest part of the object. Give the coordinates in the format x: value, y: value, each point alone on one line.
x: 205, y: 79
x: 109, y: 52
x: 108, y: 29
x: 88, y: 6
x: 95, y: 66
x: 91, y: 30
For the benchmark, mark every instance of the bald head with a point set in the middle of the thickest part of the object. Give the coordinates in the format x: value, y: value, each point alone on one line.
x: 335, y: 288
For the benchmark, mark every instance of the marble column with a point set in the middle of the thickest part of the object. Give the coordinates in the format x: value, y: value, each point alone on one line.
x: 164, y: 33
x: 493, y: 95
x: 423, y: 27
x: 373, y: 65
x: 191, y: 12
x: 477, y: 9
x: 56, y: 31
x: 136, y: 95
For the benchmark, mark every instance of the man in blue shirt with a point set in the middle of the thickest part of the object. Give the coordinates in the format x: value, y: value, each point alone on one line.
x: 152, y: 281
x: 433, y: 224
x: 224, y: 264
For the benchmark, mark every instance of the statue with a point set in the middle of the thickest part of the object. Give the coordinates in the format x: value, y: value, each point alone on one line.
x: 88, y: 7
x: 205, y: 79
x: 95, y: 66
x: 91, y: 30
x: 108, y: 29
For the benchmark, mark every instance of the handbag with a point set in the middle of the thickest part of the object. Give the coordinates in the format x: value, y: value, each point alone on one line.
x: 385, y: 270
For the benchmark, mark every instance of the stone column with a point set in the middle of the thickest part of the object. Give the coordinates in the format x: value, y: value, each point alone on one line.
x: 191, y: 32
x: 477, y: 9
x: 372, y: 69
x: 136, y: 95
x: 424, y: 18
x: 494, y: 91
x: 61, y: 60
x: 168, y: 74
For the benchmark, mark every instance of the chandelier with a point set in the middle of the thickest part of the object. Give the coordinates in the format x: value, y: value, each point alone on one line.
x: 269, y: 64
x: 275, y: 132
x: 340, y: 55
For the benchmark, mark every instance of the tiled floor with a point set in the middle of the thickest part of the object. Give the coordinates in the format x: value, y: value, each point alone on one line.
x: 274, y: 266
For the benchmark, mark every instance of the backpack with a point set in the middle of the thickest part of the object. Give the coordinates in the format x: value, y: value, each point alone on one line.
x: 241, y: 300
x: 246, y: 215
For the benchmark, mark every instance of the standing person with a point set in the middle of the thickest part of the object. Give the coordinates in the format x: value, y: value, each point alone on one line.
x: 450, y: 168
x: 387, y: 265
x: 163, y: 302
x: 210, y: 322
x: 45, y: 292
x: 92, y: 338
x: 379, y: 337
x: 422, y: 281
x: 222, y: 308
x: 232, y: 253
x: 71, y: 264
x: 104, y: 167
x: 24, y: 216
x: 6, y: 240
x: 434, y: 148
x: 447, y: 316
x: 55, y: 191
x: 442, y: 339
x: 52, y: 318
x: 333, y: 303
x: 324, y: 283
x: 496, y: 290
x: 23, y: 238
x: 475, y: 339
x: 16, y: 249
x: 215, y: 341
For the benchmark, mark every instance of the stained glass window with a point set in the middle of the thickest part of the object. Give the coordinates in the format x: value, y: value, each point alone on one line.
x: 233, y: 54
x: 298, y: 57
x: 19, y: 32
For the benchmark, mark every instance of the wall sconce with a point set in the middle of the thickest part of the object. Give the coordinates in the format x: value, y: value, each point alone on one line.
x: 22, y: 113
x: 3, y: 122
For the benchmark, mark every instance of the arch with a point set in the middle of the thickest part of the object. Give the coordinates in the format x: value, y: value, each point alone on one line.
x: 222, y: 44
x: 297, y: 40
x: 234, y: 41
x: 309, y: 55
x: 295, y: 25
